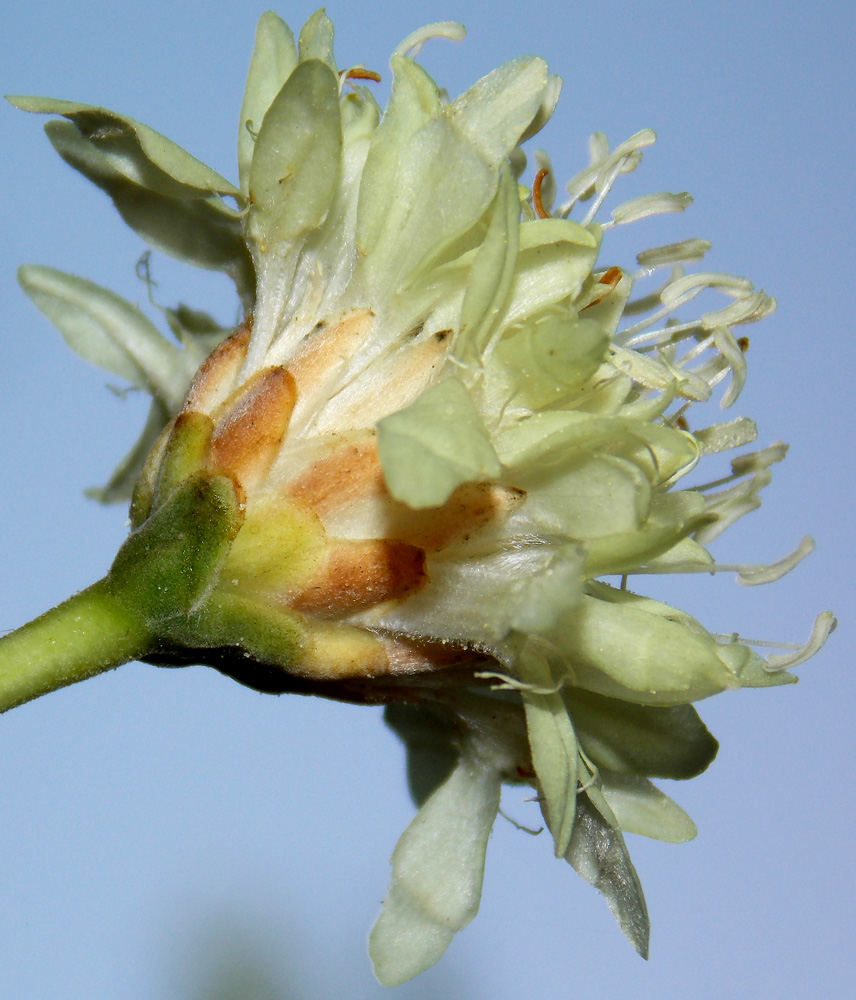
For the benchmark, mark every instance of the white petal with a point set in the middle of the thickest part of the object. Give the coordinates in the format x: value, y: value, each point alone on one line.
x: 437, y: 871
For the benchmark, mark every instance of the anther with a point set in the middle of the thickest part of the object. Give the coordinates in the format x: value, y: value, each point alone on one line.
x: 537, y: 203
x: 610, y: 278
x: 360, y: 73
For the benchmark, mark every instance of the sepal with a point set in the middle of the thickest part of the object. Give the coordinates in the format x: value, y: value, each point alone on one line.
x: 599, y: 854
x: 641, y: 740
x: 170, y: 564
x: 437, y: 870
x: 204, y: 232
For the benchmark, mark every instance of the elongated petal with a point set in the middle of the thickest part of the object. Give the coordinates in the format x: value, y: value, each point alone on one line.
x: 414, y: 100
x: 434, y: 445
x: 824, y: 625
x: 273, y: 60
x: 437, y: 871
x: 316, y: 39
x: 199, y: 231
x: 621, y: 650
x: 563, y: 436
x: 296, y: 160
x: 108, y: 331
x: 595, y: 496
x: 135, y: 150
x: 598, y: 853
x: 554, y: 746
x: 496, y: 111
x: 642, y: 808
x: 643, y: 740
x: 492, y: 271
x: 441, y: 188
x: 430, y: 737
x: 556, y: 257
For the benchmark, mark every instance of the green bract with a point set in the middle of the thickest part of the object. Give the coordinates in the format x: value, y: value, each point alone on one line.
x: 405, y: 477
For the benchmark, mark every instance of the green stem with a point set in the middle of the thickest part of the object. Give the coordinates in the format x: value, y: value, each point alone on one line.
x: 85, y: 635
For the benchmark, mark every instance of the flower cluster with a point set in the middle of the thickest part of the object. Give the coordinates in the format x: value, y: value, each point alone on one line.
x: 422, y: 470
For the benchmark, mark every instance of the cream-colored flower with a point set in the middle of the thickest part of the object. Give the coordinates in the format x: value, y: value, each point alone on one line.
x: 428, y: 461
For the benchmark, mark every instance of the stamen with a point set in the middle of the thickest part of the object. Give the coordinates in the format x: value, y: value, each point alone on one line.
x: 686, y: 288
x: 753, y: 484
x: 753, y: 461
x: 749, y: 306
x: 664, y: 335
x: 736, y: 361
x: 537, y: 204
x: 678, y: 415
x: 645, y: 371
x: 824, y: 625
x: 724, y: 436
x: 604, y: 168
x: 714, y: 483
x: 650, y: 204
x: 651, y: 301
x: 609, y: 180
x: 686, y: 251
x: 632, y: 332
x: 749, y: 575
x: 508, y: 683
x: 581, y: 186
x: 746, y: 309
x: 520, y: 826
x: 713, y: 372
x: 360, y: 73
x: 727, y: 510
x: 690, y: 385
x: 412, y: 45
x: 699, y: 349
x: 623, y: 159
x: 610, y: 278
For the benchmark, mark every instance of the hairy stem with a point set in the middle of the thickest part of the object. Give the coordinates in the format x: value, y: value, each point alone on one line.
x: 86, y: 635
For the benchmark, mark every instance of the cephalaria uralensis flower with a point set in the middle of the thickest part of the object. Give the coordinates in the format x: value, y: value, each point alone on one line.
x: 432, y: 463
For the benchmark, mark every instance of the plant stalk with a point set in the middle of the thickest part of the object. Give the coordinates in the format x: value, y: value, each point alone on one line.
x: 88, y: 634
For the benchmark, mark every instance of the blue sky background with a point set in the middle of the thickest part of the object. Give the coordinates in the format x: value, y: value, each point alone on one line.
x: 155, y: 825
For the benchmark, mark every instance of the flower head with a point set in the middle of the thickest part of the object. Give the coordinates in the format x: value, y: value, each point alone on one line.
x: 428, y: 461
